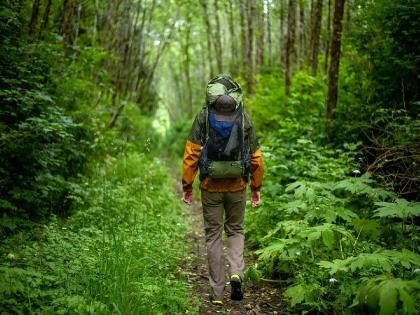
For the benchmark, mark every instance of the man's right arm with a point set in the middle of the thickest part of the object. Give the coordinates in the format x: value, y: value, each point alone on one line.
x: 192, y: 153
x: 190, y: 164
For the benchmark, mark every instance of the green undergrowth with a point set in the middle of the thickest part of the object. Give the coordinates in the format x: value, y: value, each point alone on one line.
x: 118, y: 254
x: 341, y: 243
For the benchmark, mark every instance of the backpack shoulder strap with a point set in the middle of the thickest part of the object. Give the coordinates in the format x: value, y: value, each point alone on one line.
x: 205, y: 134
x: 246, y: 127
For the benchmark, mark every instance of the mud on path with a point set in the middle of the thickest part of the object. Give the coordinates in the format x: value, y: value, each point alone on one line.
x: 263, y: 300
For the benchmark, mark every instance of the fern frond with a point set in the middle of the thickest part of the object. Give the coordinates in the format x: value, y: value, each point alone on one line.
x: 327, y: 232
x: 295, y: 207
x: 335, y: 266
x: 329, y: 213
x: 305, y: 192
x: 275, y: 249
x: 368, y: 261
x: 405, y: 258
x: 362, y: 186
x: 389, y: 295
x: 286, y: 229
x: 308, y: 191
x: 401, y: 208
x: 384, y: 260
x: 368, y: 227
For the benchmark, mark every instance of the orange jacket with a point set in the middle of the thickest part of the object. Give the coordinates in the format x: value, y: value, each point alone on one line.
x: 192, y: 156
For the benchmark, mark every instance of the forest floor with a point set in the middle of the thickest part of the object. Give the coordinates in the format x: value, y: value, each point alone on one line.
x: 257, y: 301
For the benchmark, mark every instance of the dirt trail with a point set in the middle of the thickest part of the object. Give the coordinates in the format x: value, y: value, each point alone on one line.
x: 264, y: 300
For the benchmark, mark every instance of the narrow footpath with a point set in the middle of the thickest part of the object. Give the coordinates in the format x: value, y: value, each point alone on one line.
x: 257, y: 301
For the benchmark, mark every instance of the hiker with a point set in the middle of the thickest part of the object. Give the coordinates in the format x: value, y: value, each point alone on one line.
x: 223, y: 146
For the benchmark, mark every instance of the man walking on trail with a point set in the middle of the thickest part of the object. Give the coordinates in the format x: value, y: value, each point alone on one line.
x: 222, y: 144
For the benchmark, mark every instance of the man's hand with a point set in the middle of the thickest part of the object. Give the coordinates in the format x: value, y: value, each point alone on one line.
x: 187, y: 197
x: 255, y: 198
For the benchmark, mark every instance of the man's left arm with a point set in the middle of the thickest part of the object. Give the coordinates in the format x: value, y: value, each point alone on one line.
x: 257, y: 170
x: 257, y: 165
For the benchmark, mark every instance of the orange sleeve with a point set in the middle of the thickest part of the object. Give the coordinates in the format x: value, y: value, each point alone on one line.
x: 190, y: 164
x: 257, y: 170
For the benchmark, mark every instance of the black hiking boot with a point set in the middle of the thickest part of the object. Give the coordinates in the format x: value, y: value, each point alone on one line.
x: 236, y: 285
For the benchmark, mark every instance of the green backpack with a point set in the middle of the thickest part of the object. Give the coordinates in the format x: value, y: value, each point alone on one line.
x: 223, y: 85
x: 239, y: 165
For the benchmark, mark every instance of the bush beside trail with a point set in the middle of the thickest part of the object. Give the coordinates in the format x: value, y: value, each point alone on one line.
x: 341, y: 240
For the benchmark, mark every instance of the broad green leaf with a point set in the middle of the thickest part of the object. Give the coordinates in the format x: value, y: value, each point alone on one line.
x: 388, y: 298
x: 346, y: 214
x: 408, y: 302
x: 376, y: 260
x: 296, y: 294
x: 367, y: 227
x: 362, y: 186
x: 293, y: 186
x: 328, y: 238
x: 335, y: 266
x: 276, y: 248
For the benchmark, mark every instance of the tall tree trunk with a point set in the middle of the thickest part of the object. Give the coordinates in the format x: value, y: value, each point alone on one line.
x: 233, y: 40
x: 209, y: 32
x: 315, y: 32
x: 269, y: 39
x: 335, y: 60
x: 311, y: 23
x: 95, y: 23
x: 282, y: 46
x: 348, y: 16
x: 69, y: 21
x: 176, y: 79
x: 34, y: 18
x: 45, y: 18
x: 77, y: 22
x: 328, y: 35
x: 187, y: 63
x: 259, y: 58
x: 244, y: 36
x: 118, y: 110
x: 249, y: 53
x: 301, y: 56
x: 203, y: 59
x: 290, y: 45
x: 218, y: 38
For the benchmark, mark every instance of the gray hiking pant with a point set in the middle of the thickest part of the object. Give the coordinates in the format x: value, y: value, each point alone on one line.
x: 224, y: 210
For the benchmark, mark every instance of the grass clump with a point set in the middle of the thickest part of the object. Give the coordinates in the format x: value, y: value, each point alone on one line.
x: 118, y: 254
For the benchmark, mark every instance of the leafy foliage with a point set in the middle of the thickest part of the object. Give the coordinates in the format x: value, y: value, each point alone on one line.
x: 388, y: 294
x: 43, y: 148
x: 384, y: 260
x: 401, y: 208
x: 326, y: 227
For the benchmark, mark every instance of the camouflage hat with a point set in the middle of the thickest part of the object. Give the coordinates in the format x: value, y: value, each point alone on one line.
x: 223, y: 85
